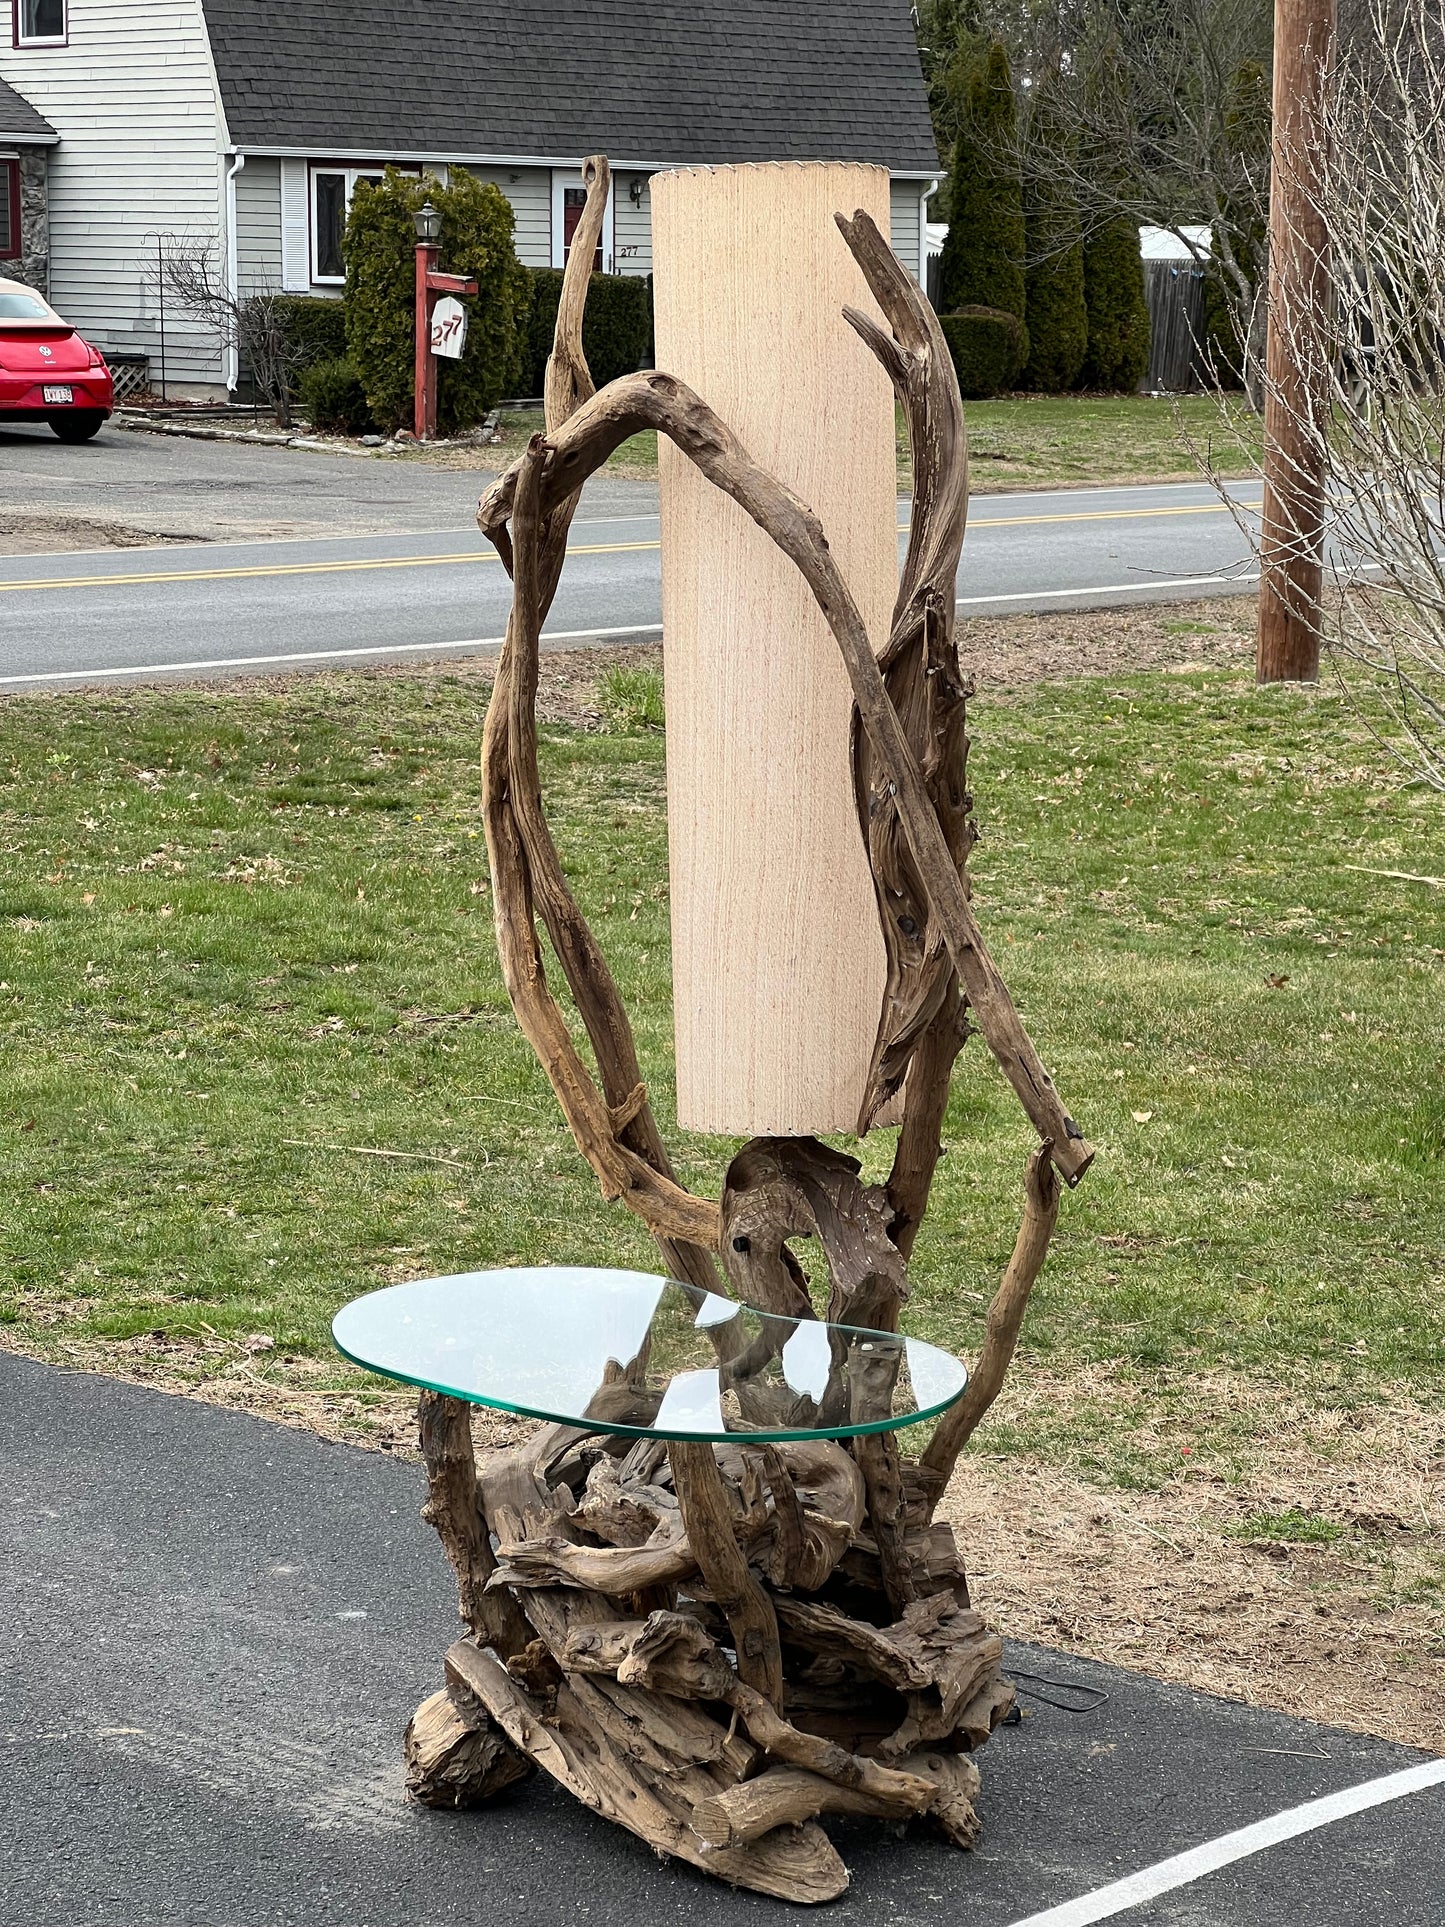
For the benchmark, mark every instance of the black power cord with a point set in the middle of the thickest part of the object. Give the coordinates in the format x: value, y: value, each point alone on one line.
x: 1087, y: 1699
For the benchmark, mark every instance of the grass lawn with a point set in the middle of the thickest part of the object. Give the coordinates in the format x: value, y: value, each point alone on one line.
x: 259, y: 1059
x: 1034, y: 441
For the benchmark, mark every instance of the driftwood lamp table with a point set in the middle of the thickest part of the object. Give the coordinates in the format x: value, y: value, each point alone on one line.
x: 701, y: 1436
x: 709, y: 1593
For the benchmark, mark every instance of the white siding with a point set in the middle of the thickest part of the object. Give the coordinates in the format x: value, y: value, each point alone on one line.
x: 529, y: 189
x: 133, y: 99
x: 632, y: 225
x: 904, y: 198
x: 258, y: 226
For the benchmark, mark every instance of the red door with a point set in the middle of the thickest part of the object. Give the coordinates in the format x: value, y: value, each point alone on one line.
x: 574, y: 199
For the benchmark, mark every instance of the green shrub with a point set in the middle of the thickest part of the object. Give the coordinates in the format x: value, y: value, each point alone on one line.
x: 333, y: 397
x: 314, y: 326
x: 541, y: 325
x: 1058, y: 315
x: 631, y: 700
x: 983, y: 255
x: 985, y: 344
x: 616, y: 327
x: 380, y: 299
x: 1118, y: 314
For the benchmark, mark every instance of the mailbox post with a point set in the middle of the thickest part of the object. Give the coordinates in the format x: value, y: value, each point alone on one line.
x: 430, y: 283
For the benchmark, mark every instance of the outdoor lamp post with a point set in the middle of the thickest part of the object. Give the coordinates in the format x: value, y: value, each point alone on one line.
x: 430, y: 283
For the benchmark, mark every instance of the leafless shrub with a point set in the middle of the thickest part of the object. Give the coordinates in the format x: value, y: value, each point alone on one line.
x: 251, y: 324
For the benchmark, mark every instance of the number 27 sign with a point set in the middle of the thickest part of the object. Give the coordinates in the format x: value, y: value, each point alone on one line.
x: 448, y: 328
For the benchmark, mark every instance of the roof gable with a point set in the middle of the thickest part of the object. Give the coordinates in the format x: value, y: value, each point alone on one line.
x: 19, y: 120
x: 645, y: 81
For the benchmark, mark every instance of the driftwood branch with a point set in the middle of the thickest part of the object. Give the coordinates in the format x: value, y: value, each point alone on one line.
x: 613, y: 1127
x: 702, y: 1497
x: 1001, y: 1330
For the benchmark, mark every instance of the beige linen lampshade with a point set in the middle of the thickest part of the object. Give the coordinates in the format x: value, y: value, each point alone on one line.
x: 778, y: 963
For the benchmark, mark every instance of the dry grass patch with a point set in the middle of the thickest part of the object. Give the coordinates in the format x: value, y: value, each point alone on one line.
x: 1287, y: 1550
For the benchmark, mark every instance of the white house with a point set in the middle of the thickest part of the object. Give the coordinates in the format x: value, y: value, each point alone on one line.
x: 246, y: 124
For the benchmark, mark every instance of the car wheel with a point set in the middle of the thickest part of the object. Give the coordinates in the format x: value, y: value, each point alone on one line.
x: 78, y: 427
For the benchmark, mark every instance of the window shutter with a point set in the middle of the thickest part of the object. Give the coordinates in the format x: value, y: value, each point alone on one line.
x: 295, y: 228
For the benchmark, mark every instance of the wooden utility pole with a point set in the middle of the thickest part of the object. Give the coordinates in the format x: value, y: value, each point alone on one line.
x: 1293, y: 529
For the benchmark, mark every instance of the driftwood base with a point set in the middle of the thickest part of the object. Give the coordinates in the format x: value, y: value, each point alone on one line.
x: 698, y: 1643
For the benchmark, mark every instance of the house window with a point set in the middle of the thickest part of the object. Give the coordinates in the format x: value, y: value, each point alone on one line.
x: 331, y: 192
x: 9, y: 210
x: 40, y: 23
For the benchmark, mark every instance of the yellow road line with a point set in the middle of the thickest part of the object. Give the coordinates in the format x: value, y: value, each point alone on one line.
x: 481, y: 555
x: 1105, y: 515
x: 301, y: 568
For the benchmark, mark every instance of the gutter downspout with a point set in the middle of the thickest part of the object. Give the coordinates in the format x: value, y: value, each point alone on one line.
x: 233, y: 272
x: 924, y: 199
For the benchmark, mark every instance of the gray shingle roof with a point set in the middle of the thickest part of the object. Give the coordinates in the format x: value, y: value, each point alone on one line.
x: 641, y: 80
x: 19, y: 120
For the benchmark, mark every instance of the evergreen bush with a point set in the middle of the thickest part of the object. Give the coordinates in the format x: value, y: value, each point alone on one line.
x: 1118, y: 314
x: 1058, y: 315
x: 541, y: 324
x: 616, y: 326
x: 380, y: 299
x: 983, y: 255
x: 333, y: 397
x: 314, y: 326
x: 987, y: 348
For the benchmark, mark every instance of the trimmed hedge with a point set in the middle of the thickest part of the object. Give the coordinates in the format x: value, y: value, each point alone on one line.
x: 616, y: 328
x: 333, y: 397
x: 1118, y: 314
x: 380, y: 299
x: 315, y: 328
x: 987, y: 347
x: 983, y: 256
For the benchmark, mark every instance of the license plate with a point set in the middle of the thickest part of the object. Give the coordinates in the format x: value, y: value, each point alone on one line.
x: 58, y: 394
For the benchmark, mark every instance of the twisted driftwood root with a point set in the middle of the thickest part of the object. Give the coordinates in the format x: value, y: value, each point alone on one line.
x: 713, y: 1646
x: 676, y: 1687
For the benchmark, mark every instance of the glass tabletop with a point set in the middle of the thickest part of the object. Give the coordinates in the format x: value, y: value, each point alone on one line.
x: 626, y: 1352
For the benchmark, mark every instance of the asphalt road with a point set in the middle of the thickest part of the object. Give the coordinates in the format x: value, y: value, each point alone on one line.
x: 413, y: 591
x: 213, y: 1630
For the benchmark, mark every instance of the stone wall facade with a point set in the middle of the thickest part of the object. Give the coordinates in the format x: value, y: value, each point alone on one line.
x: 33, y: 266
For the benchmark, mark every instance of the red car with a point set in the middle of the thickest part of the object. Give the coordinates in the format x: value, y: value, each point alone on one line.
x: 49, y: 373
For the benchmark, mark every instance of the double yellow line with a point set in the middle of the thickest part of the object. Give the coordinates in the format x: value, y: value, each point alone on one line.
x: 260, y: 570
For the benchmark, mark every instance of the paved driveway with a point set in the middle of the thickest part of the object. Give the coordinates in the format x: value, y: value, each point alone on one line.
x: 213, y: 1629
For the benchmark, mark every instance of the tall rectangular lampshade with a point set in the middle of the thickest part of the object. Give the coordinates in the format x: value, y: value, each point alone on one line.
x: 778, y: 964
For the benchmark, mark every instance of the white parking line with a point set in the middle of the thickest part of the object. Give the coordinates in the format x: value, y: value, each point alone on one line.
x: 572, y: 635
x: 1136, y: 1888
x: 1113, y: 588
x: 327, y: 655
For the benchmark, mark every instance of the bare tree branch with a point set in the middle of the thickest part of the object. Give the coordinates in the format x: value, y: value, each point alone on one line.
x: 251, y: 323
x: 1373, y: 347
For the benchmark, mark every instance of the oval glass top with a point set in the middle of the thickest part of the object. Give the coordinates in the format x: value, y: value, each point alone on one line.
x: 626, y: 1352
